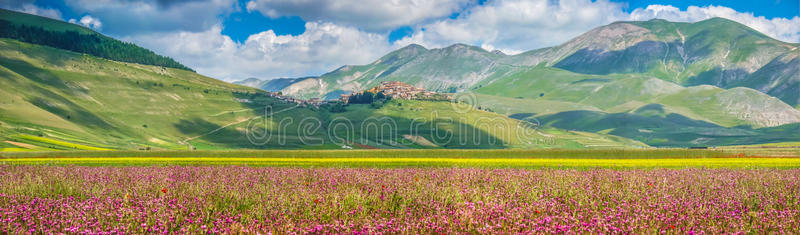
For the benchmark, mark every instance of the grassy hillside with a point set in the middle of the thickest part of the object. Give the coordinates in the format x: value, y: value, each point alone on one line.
x: 547, y: 90
x: 62, y: 95
x: 450, y: 125
x: 60, y: 100
x: 671, y: 130
x: 649, y: 110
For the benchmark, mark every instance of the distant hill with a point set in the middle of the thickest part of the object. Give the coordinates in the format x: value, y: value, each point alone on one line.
x: 58, y: 34
x: 271, y: 85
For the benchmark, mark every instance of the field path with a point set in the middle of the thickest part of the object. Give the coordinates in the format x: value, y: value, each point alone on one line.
x: 23, y: 145
x: 186, y: 141
x: 232, y: 111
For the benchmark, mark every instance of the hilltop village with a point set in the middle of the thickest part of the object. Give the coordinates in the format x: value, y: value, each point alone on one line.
x: 386, y: 90
x: 397, y: 90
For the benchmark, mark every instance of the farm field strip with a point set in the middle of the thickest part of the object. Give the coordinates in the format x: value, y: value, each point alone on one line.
x: 423, y: 162
x: 427, y: 153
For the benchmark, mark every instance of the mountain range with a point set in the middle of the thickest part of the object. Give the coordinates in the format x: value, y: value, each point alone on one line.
x: 627, y: 84
x: 716, y: 52
x: 715, y: 73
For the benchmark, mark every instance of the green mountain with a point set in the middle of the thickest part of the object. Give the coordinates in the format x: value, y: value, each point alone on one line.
x: 717, y: 72
x: 715, y: 52
x: 454, y: 68
x: 56, y: 99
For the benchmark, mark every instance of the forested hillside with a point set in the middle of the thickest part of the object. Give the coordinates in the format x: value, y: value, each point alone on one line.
x: 78, y: 39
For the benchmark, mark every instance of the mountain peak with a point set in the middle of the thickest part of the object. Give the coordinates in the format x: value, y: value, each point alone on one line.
x: 413, y: 46
x: 720, y: 20
x: 410, y: 49
x: 716, y: 22
x: 461, y: 46
x: 404, y: 53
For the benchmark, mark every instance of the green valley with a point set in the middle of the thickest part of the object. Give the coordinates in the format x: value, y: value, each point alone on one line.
x: 60, y: 100
x: 627, y: 84
x: 682, y: 78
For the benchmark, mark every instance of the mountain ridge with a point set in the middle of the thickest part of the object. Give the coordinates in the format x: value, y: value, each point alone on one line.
x: 683, y: 53
x: 715, y: 71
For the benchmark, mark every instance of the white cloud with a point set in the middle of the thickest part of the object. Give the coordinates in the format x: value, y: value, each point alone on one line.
x: 779, y: 28
x: 131, y: 17
x: 371, y: 15
x: 88, y: 21
x: 321, y: 48
x: 513, y: 26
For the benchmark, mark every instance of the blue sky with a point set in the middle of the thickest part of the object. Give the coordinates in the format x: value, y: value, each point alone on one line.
x: 236, y: 39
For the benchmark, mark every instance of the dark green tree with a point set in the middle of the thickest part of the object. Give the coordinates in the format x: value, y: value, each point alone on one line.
x: 92, y: 44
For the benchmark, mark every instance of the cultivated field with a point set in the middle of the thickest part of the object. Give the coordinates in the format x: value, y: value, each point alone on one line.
x: 402, y: 191
x: 582, y: 159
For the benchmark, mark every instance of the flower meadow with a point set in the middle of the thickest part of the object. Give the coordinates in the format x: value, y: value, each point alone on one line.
x: 240, y: 199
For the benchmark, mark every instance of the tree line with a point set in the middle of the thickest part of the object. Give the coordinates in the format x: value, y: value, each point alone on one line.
x: 92, y: 44
x: 367, y: 97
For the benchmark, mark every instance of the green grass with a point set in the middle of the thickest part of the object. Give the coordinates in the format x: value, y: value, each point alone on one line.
x: 543, y: 90
x: 15, y: 149
x: 82, y: 102
x: 80, y: 99
x: 47, y: 141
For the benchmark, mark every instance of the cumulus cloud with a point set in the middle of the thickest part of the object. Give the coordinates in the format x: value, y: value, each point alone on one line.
x: 514, y: 26
x: 371, y: 15
x: 779, y: 28
x: 131, y: 17
x: 88, y: 21
x: 321, y: 48
x: 27, y: 6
